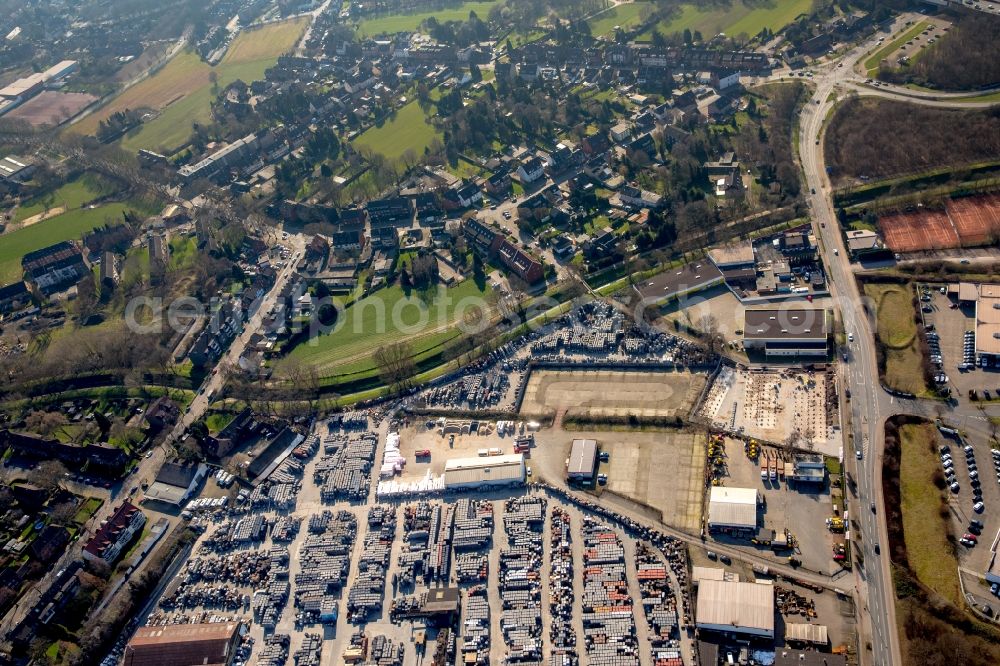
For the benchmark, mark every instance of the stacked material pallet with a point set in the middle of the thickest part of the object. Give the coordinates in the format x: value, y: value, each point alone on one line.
x: 274, y: 651
x: 476, y: 628
x: 659, y: 606
x: 324, y: 559
x: 385, y: 652
x: 311, y: 652
x: 367, y: 590
x: 414, y: 558
x: 472, y: 567
x: 608, y: 625
x: 442, y: 518
x: 562, y: 636
x: 473, y: 526
x: 345, y: 472
x: 520, y: 579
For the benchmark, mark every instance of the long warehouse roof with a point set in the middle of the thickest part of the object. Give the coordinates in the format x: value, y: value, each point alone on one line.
x: 733, y: 507
x: 488, y: 469
x: 746, y: 606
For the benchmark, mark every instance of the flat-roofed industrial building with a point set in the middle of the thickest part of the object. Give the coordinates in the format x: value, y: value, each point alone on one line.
x: 582, y: 460
x: 732, y: 509
x: 183, y: 645
x: 745, y: 609
x: 486, y: 471
x: 988, y: 324
x: 786, y: 332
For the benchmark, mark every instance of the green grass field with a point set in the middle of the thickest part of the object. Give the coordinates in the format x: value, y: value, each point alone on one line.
x: 408, y: 130
x: 182, y: 90
x: 382, y: 318
x: 625, y: 16
x: 925, y: 532
x: 740, y: 18
x: 872, y: 62
x: 69, y: 225
x: 73, y: 194
x: 898, y: 332
x: 183, y: 250
x: 410, y: 22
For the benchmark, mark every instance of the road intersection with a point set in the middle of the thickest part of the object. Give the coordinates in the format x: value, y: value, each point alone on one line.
x: 870, y: 405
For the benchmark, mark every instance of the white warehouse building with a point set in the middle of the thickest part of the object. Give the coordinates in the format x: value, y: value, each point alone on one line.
x: 486, y: 471
x: 732, y: 510
x: 735, y: 608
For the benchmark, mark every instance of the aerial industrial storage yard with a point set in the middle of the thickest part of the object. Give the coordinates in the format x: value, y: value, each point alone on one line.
x: 391, y: 535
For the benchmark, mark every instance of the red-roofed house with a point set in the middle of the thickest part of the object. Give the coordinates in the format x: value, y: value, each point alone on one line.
x: 114, y: 534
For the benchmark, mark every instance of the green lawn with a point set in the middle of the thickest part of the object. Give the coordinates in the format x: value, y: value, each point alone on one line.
x: 872, y: 63
x: 410, y: 22
x: 925, y: 532
x: 410, y: 129
x: 73, y: 194
x: 69, y: 225
x: 183, y: 251
x: 171, y: 129
x: 734, y: 20
x: 898, y: 332
x: 87, y: 509
x: 625, y: 16
x: 376, y: 320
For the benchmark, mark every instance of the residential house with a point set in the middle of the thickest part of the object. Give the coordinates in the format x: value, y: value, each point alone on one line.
x: 50, y: 543
x: 394, y: 211
x: 621, y: 132
x: 14, y: 297
x: 499, y: 183
x: 163, y: 413
x: 110, y: 270
x: 218, y: 333
x: 595, y: 144
x: 639, y: 198
x: 531, y: 170
x: 468, y: 195
x: 98, y: 458
x: 55, y: 268
x: 114, y: 534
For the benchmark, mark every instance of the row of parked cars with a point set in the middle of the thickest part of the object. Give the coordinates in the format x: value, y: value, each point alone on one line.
x: 971, y: 537
x: 949, y: 474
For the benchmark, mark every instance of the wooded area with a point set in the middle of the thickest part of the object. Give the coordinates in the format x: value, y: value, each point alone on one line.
x: 878, y: 138
x: 966, y: 58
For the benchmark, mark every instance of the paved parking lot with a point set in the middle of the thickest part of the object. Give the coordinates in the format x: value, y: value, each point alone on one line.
x: 950, y: 324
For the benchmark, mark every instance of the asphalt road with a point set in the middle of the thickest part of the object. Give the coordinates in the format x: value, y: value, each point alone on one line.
x: 870, y: 405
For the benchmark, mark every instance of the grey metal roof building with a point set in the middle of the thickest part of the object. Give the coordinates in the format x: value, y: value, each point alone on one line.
x: 786, y: 331
x: 486, y: 471
x: 732, y: 508
x: 736, y: 608
x: 582, y: 459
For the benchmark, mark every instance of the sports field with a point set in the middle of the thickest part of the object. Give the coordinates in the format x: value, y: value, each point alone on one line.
x: 410, y: 22
x: 182, y: 91
x: 964, y: 222
x: 69, y: 225
x: 625, y: 16
x: 611, y: 393
x: 385, y: 317
x: 410, y: 129
x: 749, y: 18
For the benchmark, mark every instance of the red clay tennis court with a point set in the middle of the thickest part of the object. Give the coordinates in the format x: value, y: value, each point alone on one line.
x: 918, y: 230
x: 976, y: 219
